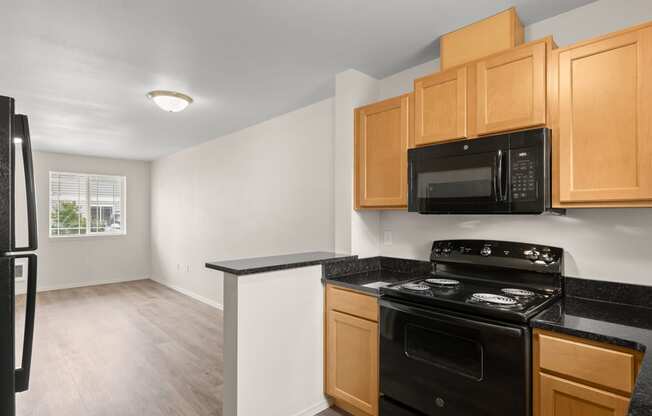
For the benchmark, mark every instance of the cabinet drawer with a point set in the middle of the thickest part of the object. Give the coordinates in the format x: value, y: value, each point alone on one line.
x: 353, y: 303
x: 592, y: 363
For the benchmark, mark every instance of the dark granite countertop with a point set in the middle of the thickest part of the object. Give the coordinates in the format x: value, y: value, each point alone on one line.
x: 267, y: 264
x: 355, y: 274
x: 614, y: 323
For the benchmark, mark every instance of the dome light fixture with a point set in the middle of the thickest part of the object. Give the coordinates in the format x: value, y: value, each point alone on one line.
x: 170, y: 101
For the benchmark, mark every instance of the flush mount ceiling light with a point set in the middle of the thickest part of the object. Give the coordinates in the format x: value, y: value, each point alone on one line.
x: 171, y: 101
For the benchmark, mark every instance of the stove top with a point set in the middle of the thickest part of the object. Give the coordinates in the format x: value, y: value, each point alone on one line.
x: 475, y: 296
x: 512, y: 285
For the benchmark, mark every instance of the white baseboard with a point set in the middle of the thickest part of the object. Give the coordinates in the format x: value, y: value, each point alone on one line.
x: 314, y: 409
x: 71, y: 285
x: 202, y: 299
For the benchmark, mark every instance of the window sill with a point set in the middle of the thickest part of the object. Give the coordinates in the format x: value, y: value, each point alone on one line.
x: 85, y: 236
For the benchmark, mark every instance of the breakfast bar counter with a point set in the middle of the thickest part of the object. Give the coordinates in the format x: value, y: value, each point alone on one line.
x: 274, y: 334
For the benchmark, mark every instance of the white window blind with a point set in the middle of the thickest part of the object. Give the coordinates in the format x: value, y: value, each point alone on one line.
x: 82, y: 204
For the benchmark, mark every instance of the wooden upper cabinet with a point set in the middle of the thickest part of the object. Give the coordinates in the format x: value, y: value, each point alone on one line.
x: 605, y: 121
x: 511, y: 89
x: 477, y: 40
x: 382, y: 137
x: 440, y: 106
x: 503, y: 92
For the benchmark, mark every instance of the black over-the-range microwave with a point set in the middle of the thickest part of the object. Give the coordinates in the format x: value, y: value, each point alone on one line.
x: 502, y: 174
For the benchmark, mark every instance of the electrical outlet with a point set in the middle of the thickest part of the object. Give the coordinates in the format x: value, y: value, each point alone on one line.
x: 18, y: 271
x: 387, y: 238
x: 187, y: 268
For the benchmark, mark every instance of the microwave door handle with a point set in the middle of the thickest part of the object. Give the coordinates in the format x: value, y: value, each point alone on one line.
x: 22, y: 374
x: 22, y: 127
x: 496, y: 175
x: 499, y: 175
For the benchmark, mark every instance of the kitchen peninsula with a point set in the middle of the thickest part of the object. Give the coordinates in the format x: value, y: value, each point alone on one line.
x: 274, y: 334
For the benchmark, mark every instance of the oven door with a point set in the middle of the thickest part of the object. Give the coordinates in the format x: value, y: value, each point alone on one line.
x: 439, y: 363
x: 460, y: 177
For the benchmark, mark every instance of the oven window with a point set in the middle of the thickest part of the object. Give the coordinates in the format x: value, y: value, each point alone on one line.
x: 457, y: 183
x: 459, y: 355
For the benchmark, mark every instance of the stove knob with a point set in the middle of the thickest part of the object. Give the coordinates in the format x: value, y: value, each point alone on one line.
x: 547, y: 257
x: 446, y: 251
x: 531, y: 254
x: 486, y: 251
x: 440, y: 402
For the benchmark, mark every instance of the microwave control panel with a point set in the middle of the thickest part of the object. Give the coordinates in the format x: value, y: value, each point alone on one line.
x: 525, y: 182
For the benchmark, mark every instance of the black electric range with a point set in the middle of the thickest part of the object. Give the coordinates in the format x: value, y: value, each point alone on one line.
x: 456, y: 341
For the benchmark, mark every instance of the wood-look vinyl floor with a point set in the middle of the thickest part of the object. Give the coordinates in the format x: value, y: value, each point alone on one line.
x: 333, y: 411
x: 127, y: 349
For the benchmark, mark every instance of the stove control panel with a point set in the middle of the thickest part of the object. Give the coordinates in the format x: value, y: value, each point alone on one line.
x: 498, y: 253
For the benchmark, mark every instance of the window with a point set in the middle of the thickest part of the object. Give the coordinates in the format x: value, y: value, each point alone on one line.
x: 86, y: 205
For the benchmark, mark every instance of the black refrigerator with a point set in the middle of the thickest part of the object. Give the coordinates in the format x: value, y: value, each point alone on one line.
x: 14, y: 132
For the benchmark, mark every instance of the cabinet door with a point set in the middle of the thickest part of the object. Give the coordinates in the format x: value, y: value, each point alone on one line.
x: 352, y: 361
x: 382, y: 139
x: 560, y: 397
x: 605, y: 114
x: 511, y: 89
x: 440, y: 106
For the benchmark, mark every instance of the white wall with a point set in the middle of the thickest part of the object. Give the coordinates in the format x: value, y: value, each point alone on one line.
x: 285, y: 185
x: 261, y: 191
x: 606, y: 244
x: 83, y: 261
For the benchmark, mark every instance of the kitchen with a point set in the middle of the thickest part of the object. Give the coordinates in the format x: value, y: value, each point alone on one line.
x: 569, y: 350
x: 519, y: 172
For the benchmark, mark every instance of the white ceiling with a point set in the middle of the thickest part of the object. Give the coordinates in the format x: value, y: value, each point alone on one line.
x: 81, y: 68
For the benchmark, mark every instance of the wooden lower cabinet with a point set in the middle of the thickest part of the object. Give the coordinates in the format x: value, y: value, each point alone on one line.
x: 577, y: 377
x: 561, y: 397
x: 351, y: 356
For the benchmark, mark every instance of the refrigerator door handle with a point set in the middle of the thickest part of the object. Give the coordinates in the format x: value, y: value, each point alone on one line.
x: 21, y: 126
x: 22, y: 374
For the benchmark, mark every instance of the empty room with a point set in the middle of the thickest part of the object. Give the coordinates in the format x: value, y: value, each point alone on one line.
x: 326, y: 208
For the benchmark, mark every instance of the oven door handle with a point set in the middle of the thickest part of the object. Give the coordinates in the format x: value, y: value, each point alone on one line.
x: 451, y: 319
